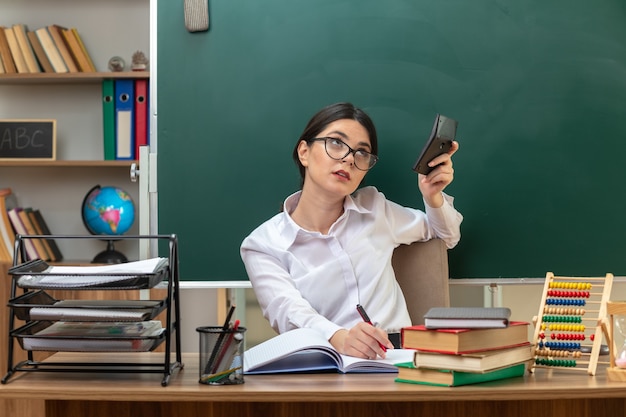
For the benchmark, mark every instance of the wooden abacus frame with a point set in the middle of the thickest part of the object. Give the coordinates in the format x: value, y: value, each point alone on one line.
x: 574, y: 290
x: 614, y: 308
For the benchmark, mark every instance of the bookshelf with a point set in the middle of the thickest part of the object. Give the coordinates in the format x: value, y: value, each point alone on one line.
x: 108, y: 28
x: 68, y: 78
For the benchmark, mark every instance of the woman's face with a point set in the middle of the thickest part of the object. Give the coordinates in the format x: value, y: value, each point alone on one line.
x: 330, y: 175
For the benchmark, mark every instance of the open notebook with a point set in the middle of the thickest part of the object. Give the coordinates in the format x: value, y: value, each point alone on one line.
x: 306, y: 350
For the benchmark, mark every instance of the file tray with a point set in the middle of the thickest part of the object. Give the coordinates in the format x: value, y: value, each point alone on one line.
x: 42, y: 336
x: 38, y: 274
x: 39, y: 305
x: 33, y: 301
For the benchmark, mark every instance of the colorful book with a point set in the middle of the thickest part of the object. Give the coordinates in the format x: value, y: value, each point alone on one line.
x: 27, y: 51
x: 466, y: 317
x: 307, y: 350
x: 5, y: 53
x: 474, y: 362
x: 447, y: 378
x: 56, y: 32
x: 464, y: 340
x: 40, y: 53
x: 51, y: 50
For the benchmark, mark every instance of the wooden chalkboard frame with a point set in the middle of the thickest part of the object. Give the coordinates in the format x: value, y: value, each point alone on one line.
x: 48, y: 127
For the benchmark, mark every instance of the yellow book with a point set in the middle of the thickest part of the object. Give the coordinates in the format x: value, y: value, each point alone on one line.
x: 49, y: 47
x: 56, y: 32
x: 82, y: 45
x: 27, y: 50
x: 76, y: 51
x: 16, y: 51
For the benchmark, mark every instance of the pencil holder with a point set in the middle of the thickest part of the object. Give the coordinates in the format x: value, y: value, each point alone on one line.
x: 221, y: 355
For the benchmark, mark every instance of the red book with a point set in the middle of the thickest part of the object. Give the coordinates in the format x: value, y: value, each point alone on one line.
x: 141, y: 114
x: 455, y: 341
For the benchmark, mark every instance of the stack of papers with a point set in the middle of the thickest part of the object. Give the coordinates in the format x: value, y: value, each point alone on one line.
x: 90, y: 276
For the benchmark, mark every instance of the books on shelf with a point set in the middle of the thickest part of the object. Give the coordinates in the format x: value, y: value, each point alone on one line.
x: 20, y: 228
x: 466, y: 317
x: 16, y: 51
x: 27, y: 50
x: 43, y: 229
x: 77, y: 51
x: 408, y: 373
x: 40, y: 53
x: 84, y: 48
x: 49, y: 47
x: 42, y: 253
x: 480, y: 362
x: 5, y: 53
x: 56, y: 32
x: 464, y: 340
x: 306, y: 350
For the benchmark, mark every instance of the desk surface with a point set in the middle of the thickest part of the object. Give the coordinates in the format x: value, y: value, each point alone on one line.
x: 544, y: 384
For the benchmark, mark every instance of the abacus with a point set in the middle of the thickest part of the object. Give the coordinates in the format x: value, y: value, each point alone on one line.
x: 568, y: 330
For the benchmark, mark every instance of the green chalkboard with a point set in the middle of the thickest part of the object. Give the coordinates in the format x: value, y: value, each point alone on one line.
x: 538, y: 88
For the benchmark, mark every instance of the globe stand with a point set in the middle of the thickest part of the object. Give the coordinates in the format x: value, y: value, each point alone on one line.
x: 110, y: 256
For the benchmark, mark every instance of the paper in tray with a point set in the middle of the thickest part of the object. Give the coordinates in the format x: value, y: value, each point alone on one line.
x: 39, y: 305
x: 90, y: 337
x: 131, y: 275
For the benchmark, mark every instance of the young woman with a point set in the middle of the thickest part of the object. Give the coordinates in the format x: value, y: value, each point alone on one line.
x: 331, y: 246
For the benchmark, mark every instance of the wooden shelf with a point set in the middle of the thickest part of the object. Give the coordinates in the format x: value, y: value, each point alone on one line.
x: 68, y: 78
x: 69, y: 164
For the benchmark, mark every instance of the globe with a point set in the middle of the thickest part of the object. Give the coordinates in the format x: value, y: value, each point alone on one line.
x: 108, y: 211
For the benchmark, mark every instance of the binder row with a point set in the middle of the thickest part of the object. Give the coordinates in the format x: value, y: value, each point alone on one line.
x: 125, y: 117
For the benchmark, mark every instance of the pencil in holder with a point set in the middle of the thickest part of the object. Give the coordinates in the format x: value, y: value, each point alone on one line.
x: 221, y: 355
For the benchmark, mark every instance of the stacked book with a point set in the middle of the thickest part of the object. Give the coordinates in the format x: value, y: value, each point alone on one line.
x: 50, y: 49
x: 460, y: 347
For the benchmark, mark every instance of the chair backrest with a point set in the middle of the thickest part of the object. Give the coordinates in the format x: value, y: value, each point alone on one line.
x: 421, y: 269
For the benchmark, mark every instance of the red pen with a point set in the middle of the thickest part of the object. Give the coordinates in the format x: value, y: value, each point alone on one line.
x: 367, y: 320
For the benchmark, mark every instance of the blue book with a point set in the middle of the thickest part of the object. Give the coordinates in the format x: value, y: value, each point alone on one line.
x: 124, y: 119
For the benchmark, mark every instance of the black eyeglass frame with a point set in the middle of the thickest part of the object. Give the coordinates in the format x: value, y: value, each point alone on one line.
x: 373, y: 158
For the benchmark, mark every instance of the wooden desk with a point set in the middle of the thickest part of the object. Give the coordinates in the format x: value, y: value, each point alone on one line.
x: 547, y: 392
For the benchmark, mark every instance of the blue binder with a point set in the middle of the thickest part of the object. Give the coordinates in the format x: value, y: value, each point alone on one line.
x: 124, y: 119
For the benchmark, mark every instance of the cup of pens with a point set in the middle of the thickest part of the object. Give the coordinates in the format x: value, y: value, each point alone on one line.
x: 221, y: 354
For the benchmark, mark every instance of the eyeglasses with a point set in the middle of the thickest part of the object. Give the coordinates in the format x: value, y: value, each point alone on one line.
x: 338, y: 149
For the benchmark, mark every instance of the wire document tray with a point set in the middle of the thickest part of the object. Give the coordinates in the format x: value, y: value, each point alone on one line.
x: 94, y: 325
